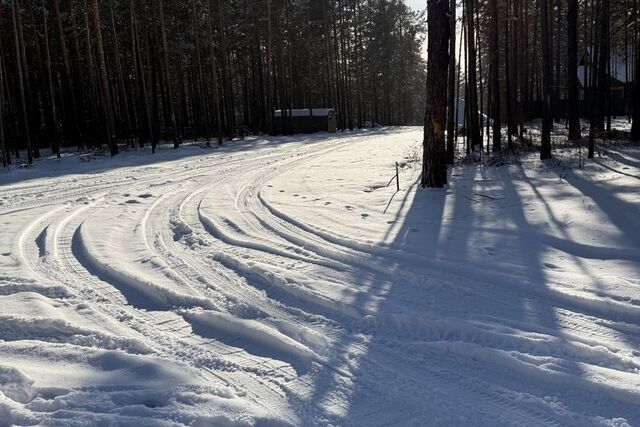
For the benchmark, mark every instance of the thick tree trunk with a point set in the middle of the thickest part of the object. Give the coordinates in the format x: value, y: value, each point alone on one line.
x: 434, y: 167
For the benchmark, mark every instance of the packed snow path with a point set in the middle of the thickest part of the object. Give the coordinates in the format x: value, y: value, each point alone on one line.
x: 282, y: 282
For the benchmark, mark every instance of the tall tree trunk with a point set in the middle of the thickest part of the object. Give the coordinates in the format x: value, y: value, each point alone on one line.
x: 104, y: 79
x: 70, y: 89
x: 602, y: 76
x: 451, y: 112
x: 55, y: 143
x: 635, y: 127
x: 269, y: 90
x: 139, y: 66
x: 167, y: 75
x: 473, y: 126
x: 545, y: 149
x: 494, y: 81
x: 572, y: 70
x: 4, y: 154
x: 434, y: 167
x: 507, y: 73
x: 124, y: 104
x: 15, y: 10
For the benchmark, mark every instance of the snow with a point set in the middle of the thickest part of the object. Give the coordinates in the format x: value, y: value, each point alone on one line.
x: 282, y: 281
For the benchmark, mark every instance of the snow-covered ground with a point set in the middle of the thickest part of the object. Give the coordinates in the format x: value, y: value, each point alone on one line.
x: 282, y: 282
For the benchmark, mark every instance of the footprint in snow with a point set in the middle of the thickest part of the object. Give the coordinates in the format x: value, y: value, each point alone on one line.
x: 364, y: 215
x: 551, y: 266
x: 145, y: 196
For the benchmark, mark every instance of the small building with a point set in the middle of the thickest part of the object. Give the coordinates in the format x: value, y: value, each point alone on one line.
x: 620, y: 75
x: 307, y: 120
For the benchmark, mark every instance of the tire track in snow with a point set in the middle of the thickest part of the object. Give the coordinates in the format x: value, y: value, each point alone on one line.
x: 324, y: 238
x: 263, y: 179
x: 168, y: 341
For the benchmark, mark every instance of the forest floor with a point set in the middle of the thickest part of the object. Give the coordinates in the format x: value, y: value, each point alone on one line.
x: 281, y: 281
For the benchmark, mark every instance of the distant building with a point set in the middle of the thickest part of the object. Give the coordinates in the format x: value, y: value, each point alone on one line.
x: 307, y: 120
x: 620, y: 73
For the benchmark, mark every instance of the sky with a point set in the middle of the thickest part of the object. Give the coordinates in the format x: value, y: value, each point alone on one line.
x: 420, y: 5
x: 417, y: 4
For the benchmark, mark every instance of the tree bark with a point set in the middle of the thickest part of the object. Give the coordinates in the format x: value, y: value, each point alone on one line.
x: 572, y: 70
x: 104, y: 79
x: 4, y: 154
x: 473, y: 126
x: 73, y: 116
x: 494, y: 76
x: 451, y: 112
x: 635, y: 126
x: 15, y: 10
x: 545, y: 149
x: 434, y: 167
x: 55, y: 143
x: 167, y: 72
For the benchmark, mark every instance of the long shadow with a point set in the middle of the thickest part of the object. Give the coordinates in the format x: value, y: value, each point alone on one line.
x: 444, y: 346
x: 618, y: 171
x: 623, y: 215
x: 351, y: 395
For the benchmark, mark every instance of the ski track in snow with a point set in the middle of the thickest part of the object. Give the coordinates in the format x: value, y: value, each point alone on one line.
x: 264, y: 283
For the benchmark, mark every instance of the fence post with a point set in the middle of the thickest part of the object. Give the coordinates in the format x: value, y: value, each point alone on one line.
x: 397, y: 177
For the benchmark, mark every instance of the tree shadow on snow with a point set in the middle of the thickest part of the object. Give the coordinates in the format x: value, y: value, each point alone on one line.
x: 465, y: 327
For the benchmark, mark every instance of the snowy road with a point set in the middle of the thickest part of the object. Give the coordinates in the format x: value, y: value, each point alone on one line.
x: 281, y: 282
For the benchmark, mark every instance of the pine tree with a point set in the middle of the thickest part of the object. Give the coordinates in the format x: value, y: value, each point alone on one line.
x: 434, y: 167
x: 572, y: 70
x: 545, y: 150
